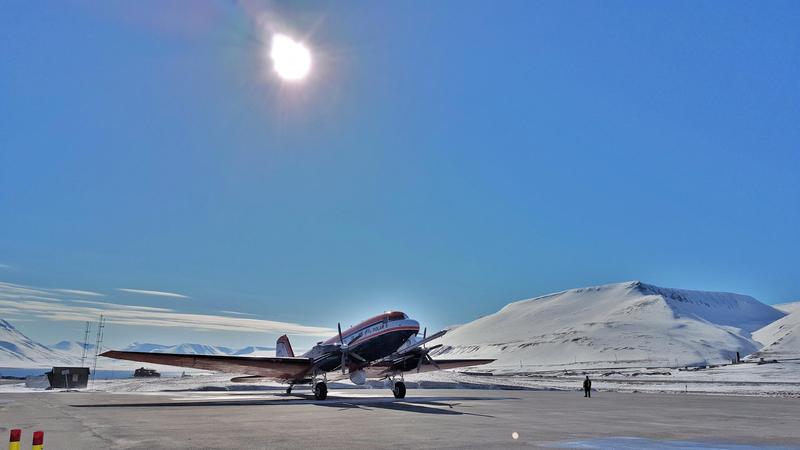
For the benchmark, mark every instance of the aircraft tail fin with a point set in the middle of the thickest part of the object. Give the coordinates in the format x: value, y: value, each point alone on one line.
x: 283, y: 348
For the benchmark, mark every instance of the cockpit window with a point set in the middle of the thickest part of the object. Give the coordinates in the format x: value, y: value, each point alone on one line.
x: 397, y: 315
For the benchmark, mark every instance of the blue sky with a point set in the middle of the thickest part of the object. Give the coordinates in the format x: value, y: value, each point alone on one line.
x: 442, y: 158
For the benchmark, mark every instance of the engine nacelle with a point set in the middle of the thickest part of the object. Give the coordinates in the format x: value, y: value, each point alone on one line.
x: 358, y: 377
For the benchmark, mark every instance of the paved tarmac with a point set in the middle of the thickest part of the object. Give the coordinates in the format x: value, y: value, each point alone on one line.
x: 449, y: 418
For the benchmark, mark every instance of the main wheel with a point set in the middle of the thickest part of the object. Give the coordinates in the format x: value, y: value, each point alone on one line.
x: 320, y: 391
x: 289, y: 390
x: 399, y: 390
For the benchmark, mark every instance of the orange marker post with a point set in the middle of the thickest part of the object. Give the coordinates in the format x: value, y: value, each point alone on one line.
x: 38, y: 440
x: 13, y: 441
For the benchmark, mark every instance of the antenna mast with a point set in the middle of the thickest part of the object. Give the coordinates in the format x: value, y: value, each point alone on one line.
x: 85, y: 342
x: 100, y: 325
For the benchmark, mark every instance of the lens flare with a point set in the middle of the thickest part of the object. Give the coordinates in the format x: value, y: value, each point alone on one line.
x: 290, y: 59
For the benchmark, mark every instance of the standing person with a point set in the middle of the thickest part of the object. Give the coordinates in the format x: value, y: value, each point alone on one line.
x: 587, y: 387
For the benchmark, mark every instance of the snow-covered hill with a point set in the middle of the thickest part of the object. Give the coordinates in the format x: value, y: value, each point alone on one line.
x: 781, y: 339
x: 624, y: 324
x: 17, y: 350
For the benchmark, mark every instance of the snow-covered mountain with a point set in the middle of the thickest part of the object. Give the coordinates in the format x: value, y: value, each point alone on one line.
x: 630, y: 324
x: 781, y: 339
x: 186, y: 348
x: 74, y: 348
x: 255, y: 351
x: 200, y: 349
x: 17, y: 350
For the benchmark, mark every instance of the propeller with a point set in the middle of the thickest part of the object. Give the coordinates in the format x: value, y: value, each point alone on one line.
x: 344, y: 349
x: 424, y: 352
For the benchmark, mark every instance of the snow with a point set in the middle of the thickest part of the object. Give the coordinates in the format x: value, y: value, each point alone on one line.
x: 630, y: 324
x: 781, y: 339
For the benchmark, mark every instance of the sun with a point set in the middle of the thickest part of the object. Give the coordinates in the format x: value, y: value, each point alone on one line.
x: 290, y: 59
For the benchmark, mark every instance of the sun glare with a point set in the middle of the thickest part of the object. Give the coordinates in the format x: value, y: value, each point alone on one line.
x: 290, y: 59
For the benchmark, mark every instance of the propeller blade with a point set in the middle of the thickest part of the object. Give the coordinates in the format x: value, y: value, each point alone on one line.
x: 339, y: 326
x: 344, y: 362
x: 432, y: 362
x: 419, y: 363
x: 425, y: 341
x: 356, y: 356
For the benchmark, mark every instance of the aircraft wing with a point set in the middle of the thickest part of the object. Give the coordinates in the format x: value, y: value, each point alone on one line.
x: 416, y: 358
x: 284, y: 368
x: 387, y: 367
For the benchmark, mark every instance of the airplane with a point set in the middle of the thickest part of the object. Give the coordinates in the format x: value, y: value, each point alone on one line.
x: 377, y: 348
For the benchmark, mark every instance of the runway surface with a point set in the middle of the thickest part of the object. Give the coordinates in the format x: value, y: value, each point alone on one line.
x: 425, y: 419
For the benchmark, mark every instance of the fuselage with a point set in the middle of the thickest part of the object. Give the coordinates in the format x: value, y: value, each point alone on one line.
x: 372, y: 339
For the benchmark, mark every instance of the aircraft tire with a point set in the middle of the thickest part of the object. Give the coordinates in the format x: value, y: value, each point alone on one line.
x: 320, y: 391
x: 399, y: 390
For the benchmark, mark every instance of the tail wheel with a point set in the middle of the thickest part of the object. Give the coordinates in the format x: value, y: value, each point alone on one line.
x: 320, y: 391
x: 399, y: 390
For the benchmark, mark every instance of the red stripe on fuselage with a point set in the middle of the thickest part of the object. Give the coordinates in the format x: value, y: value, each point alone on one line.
x: 372, y: 321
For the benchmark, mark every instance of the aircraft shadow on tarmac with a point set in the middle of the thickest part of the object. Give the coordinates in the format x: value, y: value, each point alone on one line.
x: 421, y: 405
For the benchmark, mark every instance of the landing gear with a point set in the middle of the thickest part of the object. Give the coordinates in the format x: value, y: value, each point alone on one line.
x: 320, y: 391
x: 318, y: 385
x: 399, y: 389
x: 289, y: 389
x: 398, y: 385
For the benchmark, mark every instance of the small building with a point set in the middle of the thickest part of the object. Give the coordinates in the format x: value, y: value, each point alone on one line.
x: 68, y: 377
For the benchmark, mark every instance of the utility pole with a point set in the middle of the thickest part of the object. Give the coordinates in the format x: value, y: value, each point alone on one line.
x: 100, y: 325
x: 85, y: 342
